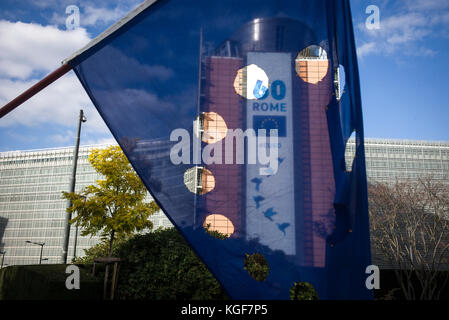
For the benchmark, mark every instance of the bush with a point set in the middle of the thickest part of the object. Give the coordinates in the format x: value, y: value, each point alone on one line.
x: 303, y: 291
x: 214, y: 233
x: 161, y: 266
x: 98, y: 251
x: 257, y: 266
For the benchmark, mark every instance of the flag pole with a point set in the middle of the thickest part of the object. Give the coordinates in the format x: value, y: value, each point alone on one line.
x: 49, y: 79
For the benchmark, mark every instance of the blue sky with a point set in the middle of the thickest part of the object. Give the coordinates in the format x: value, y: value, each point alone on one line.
x: 404, y: 68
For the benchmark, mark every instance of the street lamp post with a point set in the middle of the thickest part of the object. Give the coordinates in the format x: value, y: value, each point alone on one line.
x: 76, y: 232
x: 76, y: 240
x: 42, y: 244
x: 3, y: 257
x: 68, y: 216
x: 40, y: 257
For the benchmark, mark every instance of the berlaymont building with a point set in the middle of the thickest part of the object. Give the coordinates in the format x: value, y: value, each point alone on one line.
x: 31, y: 208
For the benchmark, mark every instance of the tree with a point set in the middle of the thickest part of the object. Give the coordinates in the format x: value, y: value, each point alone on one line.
x: 115, y: 207
x: 410, y: 228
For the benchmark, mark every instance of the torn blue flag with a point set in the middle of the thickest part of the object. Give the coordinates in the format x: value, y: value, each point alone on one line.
x: 234, y: 116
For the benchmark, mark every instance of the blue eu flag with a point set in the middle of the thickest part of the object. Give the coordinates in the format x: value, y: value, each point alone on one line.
x: 175, y: 81
x: 271, y: 123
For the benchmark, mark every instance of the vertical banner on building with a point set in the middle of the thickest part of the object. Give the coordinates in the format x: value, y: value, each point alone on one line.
x: 270, y: 209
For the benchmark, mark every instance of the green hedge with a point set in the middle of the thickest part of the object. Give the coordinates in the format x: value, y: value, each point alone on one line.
x: 155, y: 266
x: 47, y: 282
x: 161, y: 266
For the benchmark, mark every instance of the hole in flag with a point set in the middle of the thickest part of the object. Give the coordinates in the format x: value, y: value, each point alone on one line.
x: 210, y: 127
x: 350, y: 152
x: 340, y: 82
x: 311, y: 64
x: 218, y: 226
x: 199, y: 180
x: 251, y: 82
x: 257, y: 266
x: 303, y: 291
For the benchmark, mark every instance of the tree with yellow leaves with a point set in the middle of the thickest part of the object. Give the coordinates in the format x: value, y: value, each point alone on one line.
x: 115, y: 207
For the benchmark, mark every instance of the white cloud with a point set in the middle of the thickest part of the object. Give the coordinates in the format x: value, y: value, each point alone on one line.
x: 135, y: 70
x: 27, y: 52
x: 30, y: 49
x: 366, y: 49
x: 427, y: 4
x: 104, y: 141
x: 27, y: 48
x: 91, y: 15
x: 58, y: 104
x: 62, y: 139
x: 406, y: 30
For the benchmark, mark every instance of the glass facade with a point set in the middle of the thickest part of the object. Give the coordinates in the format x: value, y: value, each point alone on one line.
x: 398, y: 160
x: 31, y: 182
x: 31, y: 207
